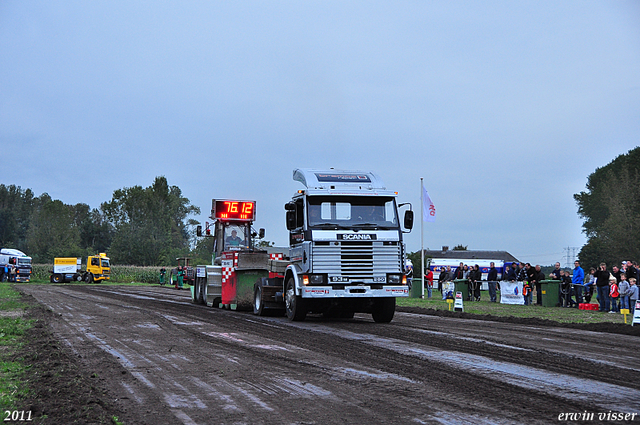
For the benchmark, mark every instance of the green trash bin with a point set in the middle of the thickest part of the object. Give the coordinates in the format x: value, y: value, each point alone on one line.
x: 416, y: 288
x: 550, y: 292
x: 461, y: 285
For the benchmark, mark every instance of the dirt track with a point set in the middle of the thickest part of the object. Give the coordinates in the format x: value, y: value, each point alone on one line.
x: 169, y: 361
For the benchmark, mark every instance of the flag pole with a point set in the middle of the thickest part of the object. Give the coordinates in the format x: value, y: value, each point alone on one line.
x: 422, y: 235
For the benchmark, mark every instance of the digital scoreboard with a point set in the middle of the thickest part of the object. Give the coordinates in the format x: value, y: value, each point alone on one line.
x: 233, y: 210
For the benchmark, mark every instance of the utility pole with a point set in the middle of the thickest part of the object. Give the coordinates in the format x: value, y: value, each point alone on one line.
x: 570, y: 256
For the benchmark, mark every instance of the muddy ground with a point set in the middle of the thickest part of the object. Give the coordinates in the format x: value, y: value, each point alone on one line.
x: 149, y: 356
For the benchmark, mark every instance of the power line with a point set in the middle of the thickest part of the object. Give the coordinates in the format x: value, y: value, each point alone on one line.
x: 570, y: 255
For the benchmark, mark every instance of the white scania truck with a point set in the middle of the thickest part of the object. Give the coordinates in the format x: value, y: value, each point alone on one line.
x: 346, y: 248
x: 346, y: 253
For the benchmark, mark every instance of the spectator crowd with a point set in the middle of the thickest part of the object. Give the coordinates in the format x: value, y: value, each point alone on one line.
x: 614, y: 290
x: 8, y: 273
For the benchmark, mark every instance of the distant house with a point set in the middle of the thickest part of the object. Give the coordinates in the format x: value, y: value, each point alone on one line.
x: 446, y: 253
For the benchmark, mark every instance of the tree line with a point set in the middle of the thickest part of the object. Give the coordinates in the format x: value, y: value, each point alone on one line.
x: 610, y: 208
x: 151, y: 226
x: 138, y: 226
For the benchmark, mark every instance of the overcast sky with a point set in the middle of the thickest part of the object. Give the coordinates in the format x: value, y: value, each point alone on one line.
x: 503, y: 107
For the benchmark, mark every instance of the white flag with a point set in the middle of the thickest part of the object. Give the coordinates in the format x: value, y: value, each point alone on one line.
x: 428, y: 209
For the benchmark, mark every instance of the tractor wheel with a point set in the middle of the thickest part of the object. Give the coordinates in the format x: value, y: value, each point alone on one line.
x: 199, y: 282
x: 258, y: 305
x: 203, y: 290
x: 195, y: 297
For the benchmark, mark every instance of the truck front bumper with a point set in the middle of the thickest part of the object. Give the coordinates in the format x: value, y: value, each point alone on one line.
x: 355, y: 292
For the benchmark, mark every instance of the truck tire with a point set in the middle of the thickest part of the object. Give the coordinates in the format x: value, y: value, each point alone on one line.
x: 295, y: 305
x: 195, y: 295
x: 203, y: 291
x: 56, y: 278
x: 88, y: 278
x: 383, y: 309
x: 199, y: 291
x: 258, y: 305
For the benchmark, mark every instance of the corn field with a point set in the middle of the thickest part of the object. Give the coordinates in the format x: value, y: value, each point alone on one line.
x: 120, y: 274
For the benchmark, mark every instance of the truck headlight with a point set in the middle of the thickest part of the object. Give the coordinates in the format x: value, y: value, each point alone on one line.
x: 394, y: 279
x: 316, y: 279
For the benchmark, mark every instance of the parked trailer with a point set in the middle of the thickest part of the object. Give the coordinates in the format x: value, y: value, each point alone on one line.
x: 69, y: 269
x: 346, y: 252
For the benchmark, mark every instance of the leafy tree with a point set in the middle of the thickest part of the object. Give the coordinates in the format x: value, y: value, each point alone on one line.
x: 417, y: 263
x: 611, y: 211
x: 262, y: 243
x: 460, y: 247
x: 53, y: 231
x: 149, y: 223
x: 202, y: 253
x: 16, y: 206
x: 96, y: 232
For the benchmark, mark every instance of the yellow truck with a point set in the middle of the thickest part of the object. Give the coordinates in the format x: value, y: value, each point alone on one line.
x: 69, y: 269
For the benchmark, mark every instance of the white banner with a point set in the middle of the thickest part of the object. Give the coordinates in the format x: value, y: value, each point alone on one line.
x: 511, y: 293
x: 636, y: 314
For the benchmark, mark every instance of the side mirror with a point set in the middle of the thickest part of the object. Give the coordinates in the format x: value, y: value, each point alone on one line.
x: 291, y: 220
x: 199, y: 230
x: 408, y: 220
x: 261, y: 233
x: 290, y: 206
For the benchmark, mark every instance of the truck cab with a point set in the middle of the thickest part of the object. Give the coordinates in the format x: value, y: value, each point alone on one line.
x: 346, y: 247
x: 98, y: 268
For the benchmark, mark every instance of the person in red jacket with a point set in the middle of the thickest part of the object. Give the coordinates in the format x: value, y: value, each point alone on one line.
x: 614, y: 294
x: 428, y: 278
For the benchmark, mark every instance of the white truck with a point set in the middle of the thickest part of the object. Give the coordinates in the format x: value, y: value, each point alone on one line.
x: 346, y: 252
x: 18, y: 259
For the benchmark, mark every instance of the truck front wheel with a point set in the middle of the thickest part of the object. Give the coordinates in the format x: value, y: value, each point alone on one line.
x: 383, y: 309
x: 294, y: 304
x: 88, y: 278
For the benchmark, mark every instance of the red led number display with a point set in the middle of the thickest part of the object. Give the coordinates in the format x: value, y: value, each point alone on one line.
x: 235, y: 210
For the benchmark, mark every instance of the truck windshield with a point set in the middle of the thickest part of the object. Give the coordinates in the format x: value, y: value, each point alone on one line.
x: 24, y: 261
x: 351, y: 212
x: 105, y: 262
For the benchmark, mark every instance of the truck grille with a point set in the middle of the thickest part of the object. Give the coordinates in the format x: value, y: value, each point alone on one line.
x: 356, y: 260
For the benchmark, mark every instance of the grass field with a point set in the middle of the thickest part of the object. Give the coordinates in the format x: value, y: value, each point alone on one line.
x: 12, y: 328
